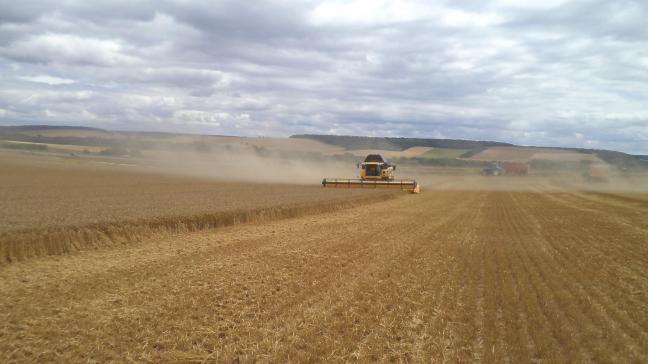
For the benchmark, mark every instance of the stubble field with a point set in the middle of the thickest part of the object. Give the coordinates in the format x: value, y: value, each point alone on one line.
x: 487, y: 270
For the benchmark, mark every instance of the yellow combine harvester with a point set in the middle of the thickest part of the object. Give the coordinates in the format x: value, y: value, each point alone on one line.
x: 375, y: 172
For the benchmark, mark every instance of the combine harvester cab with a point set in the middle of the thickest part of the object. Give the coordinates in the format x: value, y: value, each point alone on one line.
x: 375, y: 172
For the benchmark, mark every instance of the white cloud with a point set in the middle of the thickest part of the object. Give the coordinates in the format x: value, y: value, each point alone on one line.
x: 50, y: 80
x: 532, y: 4
x: 367, y: 12
x: 68, y: 48
x: 462, y: 18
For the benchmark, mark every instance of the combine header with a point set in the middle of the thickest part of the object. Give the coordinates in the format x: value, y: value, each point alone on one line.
x: 375, y: 172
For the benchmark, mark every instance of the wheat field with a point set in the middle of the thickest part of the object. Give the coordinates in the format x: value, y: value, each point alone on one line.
x: 533, y: 274
x: 53, y: 206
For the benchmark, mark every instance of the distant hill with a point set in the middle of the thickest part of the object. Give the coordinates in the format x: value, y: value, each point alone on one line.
x: 36, y: 128
x: 617, y: 158
x: 419, y: 150
x: 48, y: 134
x: 398, y: 144
x: 471, y: 147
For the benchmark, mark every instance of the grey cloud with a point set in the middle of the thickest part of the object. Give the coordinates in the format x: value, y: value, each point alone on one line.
x: 235, y: 19
x: 623, y: 19
x: 26, y: 11
x: 573, y: 74
x: 96, y: 10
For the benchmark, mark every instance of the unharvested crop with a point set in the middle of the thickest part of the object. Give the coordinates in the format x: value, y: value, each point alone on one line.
x: 53, y: 205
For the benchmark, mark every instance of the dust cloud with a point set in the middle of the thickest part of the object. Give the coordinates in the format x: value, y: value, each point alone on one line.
x: 542, y: 181
x: 246, y: 165
x: 287, y: 161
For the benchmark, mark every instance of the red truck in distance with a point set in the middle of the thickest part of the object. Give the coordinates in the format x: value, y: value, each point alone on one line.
x: 520, y: 169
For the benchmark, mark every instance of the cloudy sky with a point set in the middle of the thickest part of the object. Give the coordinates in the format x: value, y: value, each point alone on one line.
x: 549, y: 72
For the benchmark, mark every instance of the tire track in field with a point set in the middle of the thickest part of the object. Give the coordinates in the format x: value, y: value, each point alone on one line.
x: 157, y: 286
x: 454, y: 320
x: 554, y: 291
x: 119, y: 262
x: 395, y: 313
x: 370, y: 269
x: 501, y: 241
x: 612, y: 241
x: 602, y: 314
x: 611, y: 221
x: 563, y: 262
x: 508, y: 294
x: 620, y: 199
x: 458, y: 276
x: 149, y: 279
x: 550, y: 288
x: 601, y: 203
x: 569, y: 285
